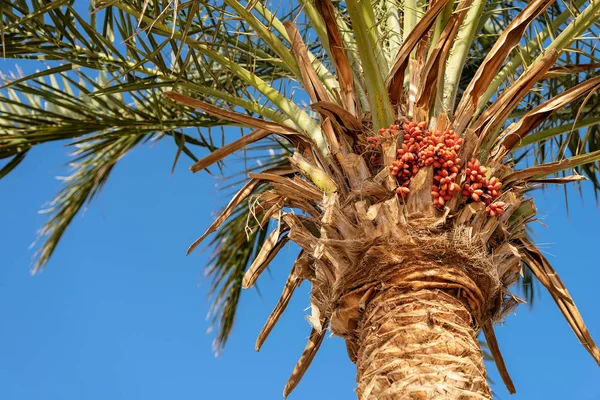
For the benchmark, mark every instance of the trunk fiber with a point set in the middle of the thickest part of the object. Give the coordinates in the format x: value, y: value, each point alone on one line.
x: 419, y: 345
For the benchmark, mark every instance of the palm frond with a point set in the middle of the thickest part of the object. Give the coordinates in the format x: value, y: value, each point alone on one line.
x: 62, y: 102
x: 93, y: 162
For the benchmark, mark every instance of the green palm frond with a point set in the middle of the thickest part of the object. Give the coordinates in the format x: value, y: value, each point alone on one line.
x: 120, y: 103
x: 101, y: 128
x: 93, y: 162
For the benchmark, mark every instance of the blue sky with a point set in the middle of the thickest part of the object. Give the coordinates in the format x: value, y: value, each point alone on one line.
x: 119, y: 312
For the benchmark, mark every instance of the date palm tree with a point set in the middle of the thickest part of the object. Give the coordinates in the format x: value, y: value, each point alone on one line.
x: 399, y: 145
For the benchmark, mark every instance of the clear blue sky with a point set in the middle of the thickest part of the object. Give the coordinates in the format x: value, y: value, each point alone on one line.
x: 119, y: 312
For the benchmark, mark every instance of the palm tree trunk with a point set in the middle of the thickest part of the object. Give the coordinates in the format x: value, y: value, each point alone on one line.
x: 419, y: 345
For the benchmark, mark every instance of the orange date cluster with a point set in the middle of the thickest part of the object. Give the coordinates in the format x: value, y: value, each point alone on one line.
x: 479, y: 188
x: 422, y: 148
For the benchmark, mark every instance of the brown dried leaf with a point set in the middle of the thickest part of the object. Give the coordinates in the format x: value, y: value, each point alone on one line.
x: 535, y: 117
x: 490, y: 338
x: 338, y: 55
x: 499, y: 111
x: 488, y: 69
x: 240, y: 196
x: 267, y: 252
x: 229, y: 115
x: 560, y: 181
x: 303, y: 191
x: 275, y: 207
x: 314, y: 342
x: 543, y: 170
x: 395, y: 79
x: 542, y: 269
x: 435, y: 65
x: 312, y: 84
x: 228, y: 149
x: 338, y: 115
x: 294, y: 280
x: 271, y: 244
x: 570, y: 69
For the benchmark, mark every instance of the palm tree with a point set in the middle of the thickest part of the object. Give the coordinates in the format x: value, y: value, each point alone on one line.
x: 402, y: 169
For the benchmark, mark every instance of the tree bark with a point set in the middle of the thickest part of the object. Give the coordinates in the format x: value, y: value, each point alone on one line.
x: 419, y: 345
